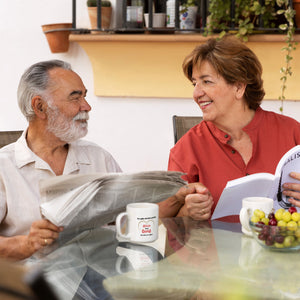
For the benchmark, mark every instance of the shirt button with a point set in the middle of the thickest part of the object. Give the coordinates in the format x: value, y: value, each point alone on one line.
x: 226, y: 136
x: 232, y: 151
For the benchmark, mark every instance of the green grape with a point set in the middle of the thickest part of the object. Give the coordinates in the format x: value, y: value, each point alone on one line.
x: 286, y: 216
x: 291, y: 225
x: 278, y: 214
x: 296, y: 216
x: 255, y: 219
x: 259, y: 213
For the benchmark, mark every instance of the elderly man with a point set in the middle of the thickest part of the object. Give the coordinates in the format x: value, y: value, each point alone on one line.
x: 52, y: 98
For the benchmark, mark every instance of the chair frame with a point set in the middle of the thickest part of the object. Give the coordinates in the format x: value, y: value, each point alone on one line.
x: 8, y: 137
x: 182, y: 124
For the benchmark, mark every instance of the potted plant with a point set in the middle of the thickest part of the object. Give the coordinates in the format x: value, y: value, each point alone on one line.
x: 106, y: 11
x: 188, y: 14
x: 57, y: 35
x: 246, y: 17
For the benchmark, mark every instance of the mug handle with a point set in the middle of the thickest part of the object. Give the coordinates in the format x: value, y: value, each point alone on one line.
x: 118, y: 264
x: 244, y: 218
x: 118, y: 225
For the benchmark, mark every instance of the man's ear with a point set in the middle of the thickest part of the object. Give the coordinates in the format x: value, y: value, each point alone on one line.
x: 39, y: 107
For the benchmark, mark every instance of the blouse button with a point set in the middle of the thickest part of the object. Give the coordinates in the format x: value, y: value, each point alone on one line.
x: 226, y: 136
x: 232, y: 151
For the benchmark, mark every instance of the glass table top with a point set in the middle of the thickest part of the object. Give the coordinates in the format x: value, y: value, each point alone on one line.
x: 190, y: 260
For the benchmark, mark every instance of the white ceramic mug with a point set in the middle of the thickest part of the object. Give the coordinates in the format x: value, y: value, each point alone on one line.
x: 142, y: 222
x: 249, y: 204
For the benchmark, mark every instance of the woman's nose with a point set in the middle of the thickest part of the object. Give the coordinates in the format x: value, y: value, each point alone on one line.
x: 198, y: 91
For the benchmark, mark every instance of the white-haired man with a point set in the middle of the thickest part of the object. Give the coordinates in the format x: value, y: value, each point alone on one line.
x: 52, y: 98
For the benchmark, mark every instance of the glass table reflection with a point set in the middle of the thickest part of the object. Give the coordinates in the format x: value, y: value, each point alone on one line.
x: 190, y: 260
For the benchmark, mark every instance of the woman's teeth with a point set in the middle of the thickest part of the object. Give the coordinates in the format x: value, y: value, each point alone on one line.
x: 205, y: 103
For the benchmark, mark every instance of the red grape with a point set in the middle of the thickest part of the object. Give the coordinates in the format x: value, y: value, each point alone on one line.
x: 292, y: 209
x: 273, y: 222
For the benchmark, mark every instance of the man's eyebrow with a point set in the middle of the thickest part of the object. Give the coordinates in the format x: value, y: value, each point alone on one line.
x: 79, y: 92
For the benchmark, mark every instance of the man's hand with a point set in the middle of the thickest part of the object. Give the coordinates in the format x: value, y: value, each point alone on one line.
x: 42, y: 233
x: 198, y: 202
x: 293, y: 189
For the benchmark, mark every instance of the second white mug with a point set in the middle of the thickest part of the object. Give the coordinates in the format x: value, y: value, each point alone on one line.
x: 249, y: 204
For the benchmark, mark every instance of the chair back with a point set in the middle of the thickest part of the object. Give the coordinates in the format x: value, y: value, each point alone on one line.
x: 20, y: 282
x: 7, y: 137
x: 181, y: 124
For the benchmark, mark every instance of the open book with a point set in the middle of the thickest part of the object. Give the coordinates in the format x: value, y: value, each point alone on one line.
x: 77, y: 199
x: 259, y: 184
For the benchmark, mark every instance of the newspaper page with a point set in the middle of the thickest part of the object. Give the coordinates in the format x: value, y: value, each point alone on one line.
x: 70, y: 200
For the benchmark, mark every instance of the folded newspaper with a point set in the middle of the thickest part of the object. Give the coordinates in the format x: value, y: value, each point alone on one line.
x: 72, y: 200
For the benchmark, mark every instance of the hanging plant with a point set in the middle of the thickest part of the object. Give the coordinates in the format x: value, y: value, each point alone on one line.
x: 289, y: 27
x: 245, y: 20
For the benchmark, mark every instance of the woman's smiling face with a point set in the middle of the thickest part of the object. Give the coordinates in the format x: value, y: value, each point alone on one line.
x: 215, y: 97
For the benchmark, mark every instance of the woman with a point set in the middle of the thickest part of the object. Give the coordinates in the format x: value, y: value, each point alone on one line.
x: 236, y: 137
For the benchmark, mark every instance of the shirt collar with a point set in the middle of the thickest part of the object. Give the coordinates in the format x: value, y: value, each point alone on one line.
x: 24, y: 156
x: 224, y: 137
x: 75, y: 158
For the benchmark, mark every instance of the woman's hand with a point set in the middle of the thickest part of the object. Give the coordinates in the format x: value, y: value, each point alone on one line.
x: 292, y: 189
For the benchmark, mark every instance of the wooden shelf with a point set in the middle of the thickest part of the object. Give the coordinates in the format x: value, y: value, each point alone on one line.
x: 149, y: 65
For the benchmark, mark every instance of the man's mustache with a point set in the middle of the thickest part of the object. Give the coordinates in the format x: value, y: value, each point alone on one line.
x: 83, y: 115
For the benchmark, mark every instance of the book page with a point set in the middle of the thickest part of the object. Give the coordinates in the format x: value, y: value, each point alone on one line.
x: 254, y: 185
x: 259, y: 185
x: 290, y: 162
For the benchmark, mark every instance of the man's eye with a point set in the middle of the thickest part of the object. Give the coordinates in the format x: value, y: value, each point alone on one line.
x: 75, y: 98
x: 194, y: 84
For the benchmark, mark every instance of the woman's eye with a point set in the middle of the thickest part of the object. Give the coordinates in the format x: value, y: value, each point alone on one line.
x: 207, y: 81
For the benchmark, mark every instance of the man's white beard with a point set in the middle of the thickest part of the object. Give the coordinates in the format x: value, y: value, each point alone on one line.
x: 65, y: 129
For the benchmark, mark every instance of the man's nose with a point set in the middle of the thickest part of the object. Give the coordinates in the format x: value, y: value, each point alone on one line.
x: 85, y: 105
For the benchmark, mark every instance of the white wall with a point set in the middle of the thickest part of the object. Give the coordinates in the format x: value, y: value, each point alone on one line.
x: 138, y: 132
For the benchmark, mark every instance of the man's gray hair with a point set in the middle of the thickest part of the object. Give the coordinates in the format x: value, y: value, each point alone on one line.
x: 34, y: 82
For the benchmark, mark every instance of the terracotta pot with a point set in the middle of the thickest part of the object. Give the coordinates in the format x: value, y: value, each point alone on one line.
x: 57, y: 36
x: 105, y: 17
x: 296, y: 6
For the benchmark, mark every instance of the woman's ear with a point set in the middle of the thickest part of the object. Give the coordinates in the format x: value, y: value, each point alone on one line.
x: 240, y: 89
x: 39, y: 107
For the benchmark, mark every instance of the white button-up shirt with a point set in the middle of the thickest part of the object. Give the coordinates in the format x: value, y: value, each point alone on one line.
x: 20, y: 173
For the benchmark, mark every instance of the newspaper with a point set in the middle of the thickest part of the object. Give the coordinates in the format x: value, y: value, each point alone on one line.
x: 72, y: 200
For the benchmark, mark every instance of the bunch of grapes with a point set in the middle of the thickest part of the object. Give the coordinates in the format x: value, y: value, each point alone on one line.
x: 278, y: 229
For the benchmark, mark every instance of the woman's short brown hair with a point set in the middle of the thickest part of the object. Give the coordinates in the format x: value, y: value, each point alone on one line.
x: 234, y: 61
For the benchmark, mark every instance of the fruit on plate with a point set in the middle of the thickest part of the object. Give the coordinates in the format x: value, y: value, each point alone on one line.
x: 279, y: 229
